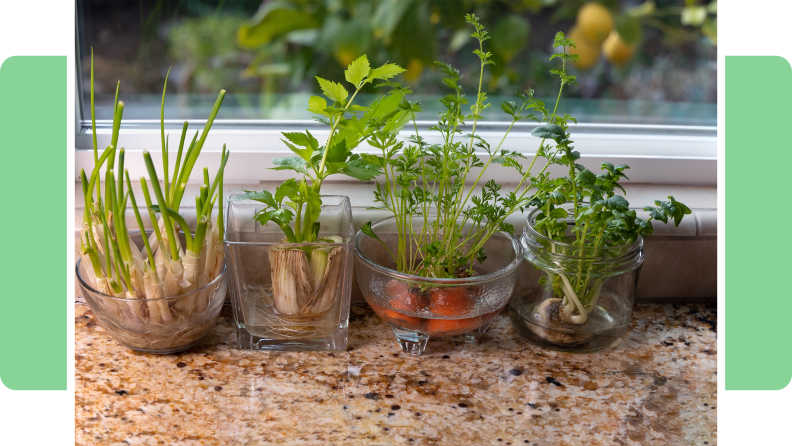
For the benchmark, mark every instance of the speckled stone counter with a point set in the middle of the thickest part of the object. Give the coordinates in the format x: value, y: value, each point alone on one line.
x: 655, y: 386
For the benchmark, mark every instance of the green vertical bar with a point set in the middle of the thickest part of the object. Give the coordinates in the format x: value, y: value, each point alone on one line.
x: 33, y: 129
x: 758, y: 156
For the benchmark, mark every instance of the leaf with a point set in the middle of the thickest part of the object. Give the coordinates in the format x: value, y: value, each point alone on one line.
x: 645, y: 226
x: 586, y: 177
x: 280, y: 216
x: 294, y: 163
x: 657, y: 213
x: 510, y: 36
x: 361, y: 170
x: 317, y: 105
x: 549, y: 131
x: 629, y: 29
x: 338, y: 153
x: 302, y: 139
x: 559, y: 213
x: 262, y: 197
x: 302, y: 153
x: 333, y: 90
x: 357, y: 71
x: 273, y: 20
x: 366, y: 229
x: 385, y: 72
x: 374, y: 160
x: 557, y: 197
x: 674, y: 209
x: 287, y: 189
x: 617, y: 202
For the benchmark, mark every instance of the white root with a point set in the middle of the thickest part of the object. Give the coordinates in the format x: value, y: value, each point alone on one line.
x: 595, y: 297
x: 570, y: 292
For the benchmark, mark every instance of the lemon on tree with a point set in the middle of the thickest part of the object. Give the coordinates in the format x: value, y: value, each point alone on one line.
x: 623, y: 40
x: 594, y: 22
x: 587, y: 52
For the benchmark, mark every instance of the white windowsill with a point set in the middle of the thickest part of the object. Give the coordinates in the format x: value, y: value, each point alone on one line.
x: 656, y: 154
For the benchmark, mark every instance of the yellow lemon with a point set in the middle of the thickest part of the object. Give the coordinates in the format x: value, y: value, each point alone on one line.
x: 595, y: 22
x: 587, y: 52
x: 345, y: 56
x: 414, y: 69
x: 616, y: 50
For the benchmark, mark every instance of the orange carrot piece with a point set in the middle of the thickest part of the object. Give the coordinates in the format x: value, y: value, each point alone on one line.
x: 403, y: 298
x: 397, y: 318
x: 449, y: 301
x: 451, y: 327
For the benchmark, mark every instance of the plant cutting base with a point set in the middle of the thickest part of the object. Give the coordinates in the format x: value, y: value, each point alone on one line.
x: 599, y: 332
x: 549, y: 314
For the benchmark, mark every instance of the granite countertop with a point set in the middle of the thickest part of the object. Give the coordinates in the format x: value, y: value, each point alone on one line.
x: 655, y: 386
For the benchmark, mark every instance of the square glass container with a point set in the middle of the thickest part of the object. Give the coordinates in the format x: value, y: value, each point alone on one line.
x: 263, y: 324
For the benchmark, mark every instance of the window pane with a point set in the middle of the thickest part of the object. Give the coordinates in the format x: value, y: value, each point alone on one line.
x: 652, y: 70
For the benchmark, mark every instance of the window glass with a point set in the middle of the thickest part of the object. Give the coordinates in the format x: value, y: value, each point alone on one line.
x: 640, y: 63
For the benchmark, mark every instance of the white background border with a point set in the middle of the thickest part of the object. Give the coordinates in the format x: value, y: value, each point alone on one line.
x: 747, y: 28
x: 759, y: 27
x: 44, y: 28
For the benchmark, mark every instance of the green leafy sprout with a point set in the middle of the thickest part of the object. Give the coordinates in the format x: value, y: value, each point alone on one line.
x: 427, y: 183
x: 296, y: 204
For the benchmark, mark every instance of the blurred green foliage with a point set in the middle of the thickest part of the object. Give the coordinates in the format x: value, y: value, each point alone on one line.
x: 278, y: 46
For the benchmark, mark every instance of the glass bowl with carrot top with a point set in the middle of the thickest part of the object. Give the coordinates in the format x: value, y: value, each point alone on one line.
x: 417, y: 307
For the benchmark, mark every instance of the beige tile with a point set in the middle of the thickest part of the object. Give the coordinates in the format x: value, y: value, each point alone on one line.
x: 679, y: 269
x: 708, y: 223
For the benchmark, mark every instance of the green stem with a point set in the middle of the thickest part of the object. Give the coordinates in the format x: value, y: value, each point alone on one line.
x: 162, y: 136
x: 220, y: 217
x: 318, y: 183
x: 152, y: 215
x: 140, y: 224
x: 181, y: 168
x: 166, y: 217
x: 192, y: 155
x: 177, y: 164
x: 185, y: 229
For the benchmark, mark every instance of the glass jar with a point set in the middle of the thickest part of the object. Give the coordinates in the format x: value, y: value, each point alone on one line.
x: 584, y: 299
x: 139, y: 323
x: 418, y: 308
x: 317, y: 317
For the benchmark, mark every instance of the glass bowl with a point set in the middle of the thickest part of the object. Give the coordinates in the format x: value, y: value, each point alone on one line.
x: 418, y: 308
x: 129, y: 321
